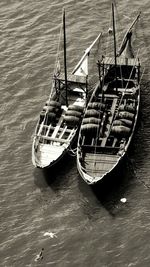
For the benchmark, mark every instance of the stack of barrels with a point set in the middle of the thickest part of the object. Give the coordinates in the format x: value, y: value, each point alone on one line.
x: 122, y: 125
x: 73, y: 115
x: 51, y: 109
x: 92, y: 119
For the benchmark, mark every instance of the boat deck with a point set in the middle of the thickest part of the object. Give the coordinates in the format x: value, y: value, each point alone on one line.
x: 110, y: 119
x: 56, y: 130
x: 102, y: 140
x: 100, y: 152
x: 59, y: 134
x: 99, y: 164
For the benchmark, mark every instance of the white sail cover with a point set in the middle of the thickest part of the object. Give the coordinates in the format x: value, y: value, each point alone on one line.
x: 81, y: 68
x: 128, y: 52
x: 126, y: 43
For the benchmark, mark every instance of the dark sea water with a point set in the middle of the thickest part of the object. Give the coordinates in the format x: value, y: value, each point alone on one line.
x: 93, y: 227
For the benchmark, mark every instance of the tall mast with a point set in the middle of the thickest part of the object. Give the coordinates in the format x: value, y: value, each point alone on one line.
x: 65, y: 62
x: 114, y: 33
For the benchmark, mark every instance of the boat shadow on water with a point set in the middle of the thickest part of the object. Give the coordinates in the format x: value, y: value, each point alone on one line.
x: 55, y: 175
x: 117, y: 185
x: 113, y: 188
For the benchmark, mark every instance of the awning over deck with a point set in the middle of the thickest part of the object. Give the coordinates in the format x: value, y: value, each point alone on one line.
x: 121, y: 61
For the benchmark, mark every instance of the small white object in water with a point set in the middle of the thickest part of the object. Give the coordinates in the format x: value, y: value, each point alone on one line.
x: 123, y: 200
x: 110, y: 30
x: 50, y: 234
x: 39, y: 256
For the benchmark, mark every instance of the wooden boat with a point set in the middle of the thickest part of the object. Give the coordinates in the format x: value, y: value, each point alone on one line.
x: 111, y: 115
x: 61, y: 115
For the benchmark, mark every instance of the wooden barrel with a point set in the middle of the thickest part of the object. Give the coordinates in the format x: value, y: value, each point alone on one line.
x: 125, y: 115
x: 71, y: 120
x: 92, y: 113
x: 96, y: 105
x: 49, y: 108
x: 73, y: 113
x: 121, y: 130
x: 51, y: 115
x: 54, y: 103
x: 129, y: 108
x: 75, y: 107
x: 117, y: 123
x: 91, y: 120
x: 126, y: 122
x: 89, y: 128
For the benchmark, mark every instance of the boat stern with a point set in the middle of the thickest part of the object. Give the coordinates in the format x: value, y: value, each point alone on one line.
x: 47, y: 155
x: 95, y: 167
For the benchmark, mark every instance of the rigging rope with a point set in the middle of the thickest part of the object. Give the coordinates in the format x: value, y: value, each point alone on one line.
x: 72, y: 152
x: 93, y: 75
x: 53, y: 85
x: 57, y: 60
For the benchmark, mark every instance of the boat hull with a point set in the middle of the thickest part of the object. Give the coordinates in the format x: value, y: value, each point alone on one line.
x: 54, y: 136
x: 90, y: 180
x: 93, y: 164
x: 48, y: 156
x: 60, y: 118
x: 112, y: 112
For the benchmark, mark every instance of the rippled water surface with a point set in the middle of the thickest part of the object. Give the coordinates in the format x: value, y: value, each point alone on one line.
x: 92, y: 226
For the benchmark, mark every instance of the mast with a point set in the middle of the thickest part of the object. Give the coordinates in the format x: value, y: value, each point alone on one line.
x: 114, y: 34
x: 65, y: 61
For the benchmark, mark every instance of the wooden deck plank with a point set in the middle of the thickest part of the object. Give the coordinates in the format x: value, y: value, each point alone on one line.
x: 92, y: 155
x: 109, y: 95
x: 57, y: 127
x: 54, y: 139
x: 61, y: 128
x: 113, y: 107
x: 62, y: 132
x: 104, y: 162
x: 99, y: 167
x: 100, y: 158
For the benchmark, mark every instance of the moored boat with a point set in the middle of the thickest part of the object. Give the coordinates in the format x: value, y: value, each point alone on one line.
x: 111, y: 115
x: 60, y: 118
